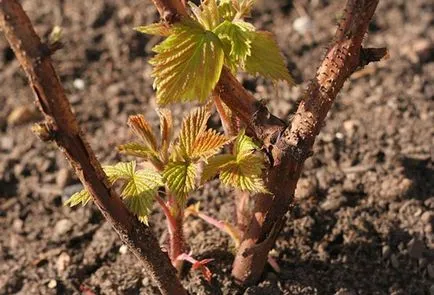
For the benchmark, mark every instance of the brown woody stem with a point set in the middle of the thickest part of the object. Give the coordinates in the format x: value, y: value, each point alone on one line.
x: 294, y: 145
x: 61, y: 125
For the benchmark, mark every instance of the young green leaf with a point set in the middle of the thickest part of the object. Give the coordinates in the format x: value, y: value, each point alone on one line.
x: 242, y: 170
x: 166, y: 132
x: 265, y: 58
x: 207, y: 14
x: 195, y: 142
x: 139, y: 192
x: 188, y: 63
x: 143, y: 130
x: 213, y: 166
x: 180, y: 178
x: 227, y: 10
x: 158, y: 29
x: 237, y: 37
x: 82, y: 197
x: 208, y: 144
x: 192, y: 126
x: 243, y: 7
x: 122, y: 170
x: 244, y: 174
x: 137, y: 150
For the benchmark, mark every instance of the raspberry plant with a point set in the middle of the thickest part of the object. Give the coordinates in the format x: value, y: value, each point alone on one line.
x: 204, y: 47
x: 187, y: 67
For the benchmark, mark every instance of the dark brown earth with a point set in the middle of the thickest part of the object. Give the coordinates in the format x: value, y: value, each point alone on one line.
x: 363, y: 223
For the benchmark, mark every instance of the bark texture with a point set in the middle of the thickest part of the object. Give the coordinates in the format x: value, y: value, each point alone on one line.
x: 61, y: 126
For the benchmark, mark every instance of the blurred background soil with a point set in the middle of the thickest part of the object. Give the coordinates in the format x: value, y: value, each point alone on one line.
x: 363, y: 220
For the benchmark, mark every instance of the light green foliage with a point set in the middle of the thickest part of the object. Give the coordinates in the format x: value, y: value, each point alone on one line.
x: 207, y: 14
x: 189, y: 62
x: 242, y: 169
x: 266, y: 59
x: 236, y: 37
x: 194, y: 143
x: 82, y: 197
x: 157, y: 29
x: 180, y: 178
x: 138, y: 190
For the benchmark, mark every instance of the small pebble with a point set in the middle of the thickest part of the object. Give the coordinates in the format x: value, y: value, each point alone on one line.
x: 79, y: 84
x: 62, y: 262
x: 333, y: 204
x: 63, y: 177
x: 123, y: 249
x: 386, y: 251
x: 303, y: 25
x: 52, y: 284
x: 62, y: 227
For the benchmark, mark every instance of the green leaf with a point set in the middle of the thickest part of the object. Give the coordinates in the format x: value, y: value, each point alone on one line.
x: 266, y: 59
x: 192, y: 126
x: 180, y: 178
x: 195, y: 142
x: 244, y: 145
x: 143, y: 130
x: 139, y: 192
x: 243, y: 7
x: 207, y: 14
x: 244, y: 174
x: 242, y: 170
x: 237, y: 37
x: 158, y: 29
x: 137, y: 150
x: 122, y: 170
x: 226, y: 10
x: 188, y: 64
x: 82, y: 197
x: 214, y: 164
x: 207, y: 144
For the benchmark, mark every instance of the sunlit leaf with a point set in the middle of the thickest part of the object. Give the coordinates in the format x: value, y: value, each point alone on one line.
x: 192, y: 126
x: 166, y: 132
x: 236, y: 37
x: 207, y: 14
x: 265, y: 58
x: 188, y: 64
x: 137, y: 150
x: 143, y: 130
x: 180, y: 178
x: 244, y: 174
x: 243, y: 7
x: 158, y: 29
x: 244, y: 145
x: 122, y: 170
x: 214, y: 164
x: 242, y: 169
x: 207, y: 144
x: 139, y: 192
x: 226, y: 10
x: 82, y: 197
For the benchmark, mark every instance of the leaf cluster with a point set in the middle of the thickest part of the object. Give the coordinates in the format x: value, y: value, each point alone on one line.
x: 189, y: 61
x: 176, y: 162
